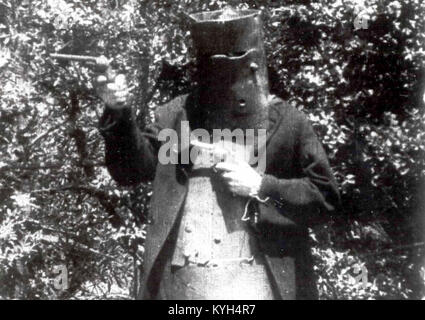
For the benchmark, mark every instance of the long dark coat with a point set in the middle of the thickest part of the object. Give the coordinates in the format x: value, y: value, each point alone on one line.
x: 298, y: 179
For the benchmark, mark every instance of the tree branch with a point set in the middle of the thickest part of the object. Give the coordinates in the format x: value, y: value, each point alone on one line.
x: 53, y: 165
x: 108, y: 202
x: 45, y: 134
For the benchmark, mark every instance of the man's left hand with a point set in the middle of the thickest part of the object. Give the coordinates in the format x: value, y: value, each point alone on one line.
x: 241, y: 178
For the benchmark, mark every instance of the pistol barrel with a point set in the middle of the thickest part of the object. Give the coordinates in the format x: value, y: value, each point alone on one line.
x: 73, y: 57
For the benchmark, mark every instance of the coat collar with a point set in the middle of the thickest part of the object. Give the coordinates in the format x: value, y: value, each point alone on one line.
x: 275, y: 116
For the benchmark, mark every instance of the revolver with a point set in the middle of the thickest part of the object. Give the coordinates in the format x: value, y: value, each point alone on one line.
x: 209, y: 155
x: 100, y: 64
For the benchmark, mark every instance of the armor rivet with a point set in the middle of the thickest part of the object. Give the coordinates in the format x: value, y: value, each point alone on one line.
x: 254, y: 66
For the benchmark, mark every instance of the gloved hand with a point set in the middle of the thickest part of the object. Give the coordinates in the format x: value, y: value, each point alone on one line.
x: 241, y: 178
x: 114, y: 94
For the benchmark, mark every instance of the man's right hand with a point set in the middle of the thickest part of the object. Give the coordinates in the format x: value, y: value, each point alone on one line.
x: 114, y: 94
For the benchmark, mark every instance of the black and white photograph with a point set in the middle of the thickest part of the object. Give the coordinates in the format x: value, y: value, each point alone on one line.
x: 212, y: 150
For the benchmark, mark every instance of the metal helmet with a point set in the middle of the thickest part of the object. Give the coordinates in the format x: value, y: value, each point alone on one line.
x: 232, y: 69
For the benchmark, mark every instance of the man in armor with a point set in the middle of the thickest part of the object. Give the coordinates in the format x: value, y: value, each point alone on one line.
x: 229, y: 229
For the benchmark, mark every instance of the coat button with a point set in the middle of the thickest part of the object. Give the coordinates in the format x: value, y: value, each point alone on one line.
x: 253, y: 66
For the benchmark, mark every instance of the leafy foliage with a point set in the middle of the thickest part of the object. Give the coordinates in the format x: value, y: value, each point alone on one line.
x: 362, y: 89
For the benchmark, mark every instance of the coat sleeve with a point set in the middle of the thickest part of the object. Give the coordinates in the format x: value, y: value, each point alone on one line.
x: 130, y: 153
x: 314, y: 195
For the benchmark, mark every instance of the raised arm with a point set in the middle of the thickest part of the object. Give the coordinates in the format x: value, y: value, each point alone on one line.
x: 131, y: 154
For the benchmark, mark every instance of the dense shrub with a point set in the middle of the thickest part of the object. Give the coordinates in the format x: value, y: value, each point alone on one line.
x: 361, y: 87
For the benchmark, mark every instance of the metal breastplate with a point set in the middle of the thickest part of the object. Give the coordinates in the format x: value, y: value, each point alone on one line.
x: 211, y: 229
x: 216, y: 254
